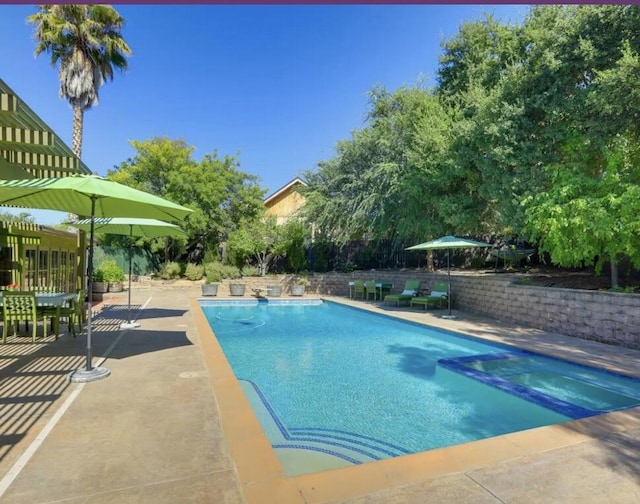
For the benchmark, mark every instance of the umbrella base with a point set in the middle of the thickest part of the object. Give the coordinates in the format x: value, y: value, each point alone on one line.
x: 84, y: 375
x: 129, y: 325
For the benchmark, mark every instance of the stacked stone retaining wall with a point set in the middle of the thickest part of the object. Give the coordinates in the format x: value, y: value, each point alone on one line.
x: 608, y: 317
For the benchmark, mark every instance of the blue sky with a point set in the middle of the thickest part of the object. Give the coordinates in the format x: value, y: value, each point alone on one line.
x: 277, y: 85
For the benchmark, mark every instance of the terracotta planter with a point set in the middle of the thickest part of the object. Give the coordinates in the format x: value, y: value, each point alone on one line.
x: 236, y: 289
x: 210, y: 289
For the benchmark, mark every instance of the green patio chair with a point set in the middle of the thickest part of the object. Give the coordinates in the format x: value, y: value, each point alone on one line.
x: 410, y: 289
x: 370, y: 289
x: 439, y: 295
x: 75, y: 313
x: 20, y: 306
x: 358, y: 289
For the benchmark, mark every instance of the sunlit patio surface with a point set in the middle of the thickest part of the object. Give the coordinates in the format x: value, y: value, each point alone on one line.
x: 172, y: 425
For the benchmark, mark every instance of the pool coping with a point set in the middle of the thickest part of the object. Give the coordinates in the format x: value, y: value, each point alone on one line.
x: 263, y: 478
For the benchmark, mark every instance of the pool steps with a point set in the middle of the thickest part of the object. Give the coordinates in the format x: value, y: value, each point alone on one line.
x: 348, y: 446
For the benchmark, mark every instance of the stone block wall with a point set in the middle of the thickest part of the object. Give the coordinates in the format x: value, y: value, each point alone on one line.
x: 608, y: 317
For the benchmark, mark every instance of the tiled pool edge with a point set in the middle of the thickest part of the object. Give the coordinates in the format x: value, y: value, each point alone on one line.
x: 263, y: 479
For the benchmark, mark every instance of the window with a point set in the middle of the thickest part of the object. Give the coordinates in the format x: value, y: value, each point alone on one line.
x: 6, y: 265
x: 43, y: 268
x: 30, y: 269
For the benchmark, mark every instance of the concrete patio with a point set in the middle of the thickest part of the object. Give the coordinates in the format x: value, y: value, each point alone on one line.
x: 153, y: 431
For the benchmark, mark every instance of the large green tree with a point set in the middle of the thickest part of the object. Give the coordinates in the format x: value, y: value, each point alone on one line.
x: 220, y: 195
x: 532, y: 129
x: 540, y: 113
x: 588, y: 128
x: 387, y: 180
x: 87, y: 44
x: 258, y: 240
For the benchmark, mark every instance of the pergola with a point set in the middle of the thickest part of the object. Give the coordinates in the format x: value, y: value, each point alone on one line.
x: 28, y: 147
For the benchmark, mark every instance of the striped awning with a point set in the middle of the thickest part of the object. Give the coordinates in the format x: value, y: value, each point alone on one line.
x: 28, y: 147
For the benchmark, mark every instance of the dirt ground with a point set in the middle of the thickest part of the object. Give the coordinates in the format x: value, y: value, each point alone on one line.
x: 574, y: 279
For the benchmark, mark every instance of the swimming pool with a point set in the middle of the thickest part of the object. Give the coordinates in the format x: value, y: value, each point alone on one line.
x: 351, y: 386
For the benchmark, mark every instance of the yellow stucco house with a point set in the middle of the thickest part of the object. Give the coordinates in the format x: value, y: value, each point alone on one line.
x: 32, y: 255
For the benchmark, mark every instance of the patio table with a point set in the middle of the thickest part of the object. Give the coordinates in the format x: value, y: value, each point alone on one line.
x: 381, y: 286
x: 51, y: 299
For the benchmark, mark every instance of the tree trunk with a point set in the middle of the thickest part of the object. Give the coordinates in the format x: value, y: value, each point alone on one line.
x: 430, y: 265
x: 78, y: 120
x: 614, y: 273
x: 167, y: 251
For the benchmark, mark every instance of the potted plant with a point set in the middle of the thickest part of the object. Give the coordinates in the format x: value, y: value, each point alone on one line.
x: 112, y: 274
x: 298, y: 288
x: 212, y: 277
x: 209, y: 288
x: 99, y: 283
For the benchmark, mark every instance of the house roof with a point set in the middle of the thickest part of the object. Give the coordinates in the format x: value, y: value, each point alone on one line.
x: 28, y: 147
x: 284, y: 189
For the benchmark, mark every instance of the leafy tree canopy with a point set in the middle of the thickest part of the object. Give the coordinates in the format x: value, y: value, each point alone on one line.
x: 531, y: 131
x: 220, y: 194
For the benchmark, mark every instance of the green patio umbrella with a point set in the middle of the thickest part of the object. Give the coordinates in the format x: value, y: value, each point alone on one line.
x: 88, y: 196
x: 448, y: 243
x: 146, y: 228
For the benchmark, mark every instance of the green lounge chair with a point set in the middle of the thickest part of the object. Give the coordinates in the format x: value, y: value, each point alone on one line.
x: 410, y: 289
x: 439, y: 295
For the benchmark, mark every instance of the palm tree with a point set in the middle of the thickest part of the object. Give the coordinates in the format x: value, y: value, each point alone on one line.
x: 86, y: 41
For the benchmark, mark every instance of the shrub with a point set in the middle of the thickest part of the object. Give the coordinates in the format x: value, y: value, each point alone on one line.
x: 216, y: 271
x: 110, y: 271
x: 194, y: 271
x: 231, y: 272
x: 170, y: 270
x: 629, y: 290
x: 250, y: 271
x: 213, y: 271
x: 477, y: 263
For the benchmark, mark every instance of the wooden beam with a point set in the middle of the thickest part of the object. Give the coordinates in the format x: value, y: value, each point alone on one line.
x: 38, y: 160
x: 25, y: 136
x: 8, y: 103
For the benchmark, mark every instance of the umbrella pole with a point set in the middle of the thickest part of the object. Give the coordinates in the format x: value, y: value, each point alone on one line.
x: 130, y: 254
x: 90, y: 274
x: 90, y: 373
x: 449, y: 316
x: 449, y: 277
x: 128, y: 324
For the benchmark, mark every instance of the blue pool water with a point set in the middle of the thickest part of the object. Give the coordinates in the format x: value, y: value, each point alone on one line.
x: 359, y: 386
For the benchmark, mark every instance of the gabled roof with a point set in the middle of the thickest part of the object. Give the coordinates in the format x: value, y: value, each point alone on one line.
x: 284, y: 189
x: 28, y: 147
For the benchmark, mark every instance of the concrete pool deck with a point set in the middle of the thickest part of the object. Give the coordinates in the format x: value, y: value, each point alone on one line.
x: 171, y: 425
